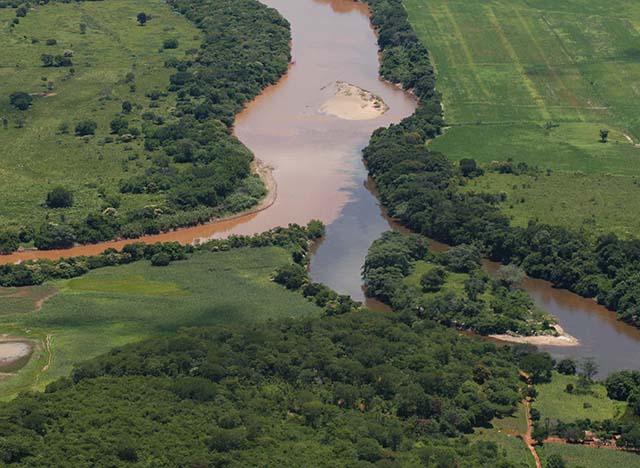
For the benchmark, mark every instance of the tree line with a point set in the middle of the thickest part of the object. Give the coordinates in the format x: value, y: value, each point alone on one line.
x: 420, y: 188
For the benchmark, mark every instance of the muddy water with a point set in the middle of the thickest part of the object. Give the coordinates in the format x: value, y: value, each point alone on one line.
x: 317, y: 165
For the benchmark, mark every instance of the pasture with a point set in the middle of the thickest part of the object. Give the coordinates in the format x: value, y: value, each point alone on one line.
x: 114, y: 60
x: 113, y: 306
x: 555, y: 403
x: 587, y: 457
x: 536, y: 81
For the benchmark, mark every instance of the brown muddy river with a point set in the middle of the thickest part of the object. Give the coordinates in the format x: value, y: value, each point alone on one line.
x: 314, y: 151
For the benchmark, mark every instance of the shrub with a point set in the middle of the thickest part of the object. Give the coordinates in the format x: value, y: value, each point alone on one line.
x: 170, y: 44
x: 51, y: 42
x: 161, y: 259
x: 86, y: 127
x: 20, y: 100
x: 290, y: 276
x: 59, y: 197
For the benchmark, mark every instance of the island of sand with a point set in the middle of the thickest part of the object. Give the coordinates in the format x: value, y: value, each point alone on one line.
x: 350, y: 102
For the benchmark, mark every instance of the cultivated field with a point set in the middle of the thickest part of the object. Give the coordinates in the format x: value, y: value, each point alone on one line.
x: 106, y: 44
x: 113, y: 306
x: 535, y: 81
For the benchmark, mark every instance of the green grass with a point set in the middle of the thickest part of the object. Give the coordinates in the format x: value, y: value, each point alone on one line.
x: 117, y: 305
x: 555, y: 403
x: 454, y: 281
x: 506, y: 68
x: 36, y: 158
x: 18, y: 300
x: 596, y: 203
x: 504, y: 433
x: 578, y: 456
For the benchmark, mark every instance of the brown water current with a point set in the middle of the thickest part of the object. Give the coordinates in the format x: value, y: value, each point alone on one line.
x: 316, y: 160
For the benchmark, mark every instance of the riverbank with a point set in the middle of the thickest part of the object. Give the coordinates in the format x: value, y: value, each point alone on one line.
x: 561, y: 340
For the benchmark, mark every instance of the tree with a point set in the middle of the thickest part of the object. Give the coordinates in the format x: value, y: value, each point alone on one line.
x: 469, y: 168
x: 462, y: 258
x: 59, y: 197
x: 474, y: 286
x: 160, y: 259
x: 588, y: 368
x: 119, y: 125
x: 511, y: 275
x: 538, y: 366
x: 86, y: 127
x: 291, y: 276
x: 126, y: 107
x: 170, y: 44
x: 604, y: 135
x: 567, y: 367
x: 142, y: 18
x: 21, y: 100
x: 432, y: 280
x: 556, y: 461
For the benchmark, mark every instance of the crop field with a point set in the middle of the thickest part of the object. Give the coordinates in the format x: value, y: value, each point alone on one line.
x: 587, y: 457
x: 536, y: 81
x: 39, y: 149
x: 113, y: 306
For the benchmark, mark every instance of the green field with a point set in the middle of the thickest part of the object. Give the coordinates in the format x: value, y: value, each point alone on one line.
x: 504, y: 433
x: 535, y: 81
x: 579, y: 456
x: 555, y: 403
x: 38, y: 157
x: 113, y: 306
x: 598, y: 203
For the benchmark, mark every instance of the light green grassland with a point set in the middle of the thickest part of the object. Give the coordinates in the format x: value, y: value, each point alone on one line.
x: 117, y: 305
x: 580, y: 456
x: 555, y: 403
x: 37, y: 157
x: 506, y: 68
x: 598, y: 203
x: 503, y: 432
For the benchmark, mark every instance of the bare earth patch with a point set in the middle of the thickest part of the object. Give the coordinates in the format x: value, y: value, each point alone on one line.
x: 350, y: 102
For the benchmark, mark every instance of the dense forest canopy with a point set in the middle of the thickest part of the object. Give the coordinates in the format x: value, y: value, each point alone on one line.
x: 359, y: 389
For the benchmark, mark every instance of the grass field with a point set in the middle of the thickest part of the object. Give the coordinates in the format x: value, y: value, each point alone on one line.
x: 503, y: 433
x: 508, y: 68
x: 38, y: 156
x: 117, y: 305
x: 597, y: 203
x: 555, y: 403
x: 579, y: 456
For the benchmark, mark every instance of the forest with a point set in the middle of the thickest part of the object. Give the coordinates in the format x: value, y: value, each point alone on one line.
x: 450, y: 288
x: 421, y: 189
x: 358, y: 389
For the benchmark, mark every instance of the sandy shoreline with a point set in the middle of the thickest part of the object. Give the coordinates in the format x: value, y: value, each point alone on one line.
x: 563, y: 339
x: 350, y: 102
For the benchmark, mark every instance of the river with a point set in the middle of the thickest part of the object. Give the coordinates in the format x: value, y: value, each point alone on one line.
x: 317, y: 165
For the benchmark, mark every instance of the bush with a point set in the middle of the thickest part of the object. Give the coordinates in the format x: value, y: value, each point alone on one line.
x: 86, y: 127
x: 291, y: 276
x: 170, y: 44
x: 20, y: 100
x: 433, y: 280
x: 567, y: 367
x: 59, y: 197
x: 161, y: 259
x: 51, y: 42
